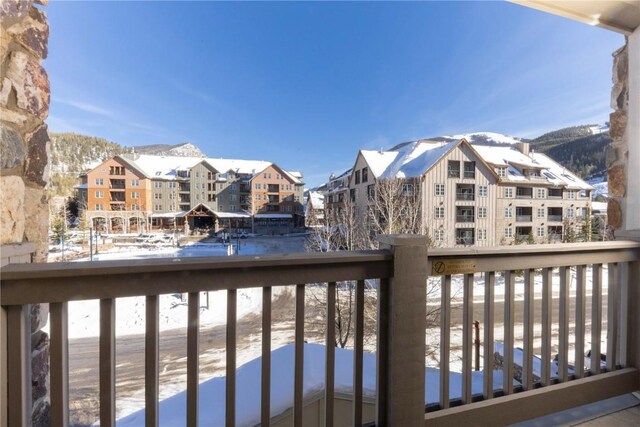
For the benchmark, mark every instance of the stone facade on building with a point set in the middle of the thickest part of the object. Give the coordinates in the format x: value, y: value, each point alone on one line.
x: 24, y: 144
x: 617, y: 153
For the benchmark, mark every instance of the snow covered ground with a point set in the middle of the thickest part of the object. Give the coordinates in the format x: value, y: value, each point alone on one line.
x: 172, y: 411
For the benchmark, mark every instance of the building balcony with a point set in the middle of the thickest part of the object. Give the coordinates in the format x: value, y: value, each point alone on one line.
x: 465, y: 196
x: 523, y: 218
x: 465, y: 218
x: 523, y: 380
x: 554, y: 218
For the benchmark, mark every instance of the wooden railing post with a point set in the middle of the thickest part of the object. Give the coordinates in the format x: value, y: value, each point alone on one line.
x: 633, y: 315
x: 402, y: 368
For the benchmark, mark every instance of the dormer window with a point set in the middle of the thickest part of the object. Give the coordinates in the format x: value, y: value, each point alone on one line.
x: 501, y: 171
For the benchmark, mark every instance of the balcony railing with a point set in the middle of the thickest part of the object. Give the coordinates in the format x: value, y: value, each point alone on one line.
x: 564, y: 279
x: 554, y: 218
x: 465, y: 196
x: 464, y: 218
x: 524, y: 196
x: 523, y: 218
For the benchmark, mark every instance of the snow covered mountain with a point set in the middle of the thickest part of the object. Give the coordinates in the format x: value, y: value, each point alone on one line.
x: 483, y: 138
x: 181, y: 150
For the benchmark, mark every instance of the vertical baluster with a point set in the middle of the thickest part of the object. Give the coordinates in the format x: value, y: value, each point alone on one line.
x: 563, y: 325
x: 581, y: 282
x: 358, y: 348
x: 489, y: 282
x: 382, y: 360
x: 265, y: 396
x: 467, y: 337
x: 59, y: 360
x: 612, y: 316
x: 107, y: 362
x: 509, y: 321
x: 445, y: 339
x: 151, y: 349
x: 624, y: 300
x: 19, y: 365
x: 527, y: 363
x: 230, y: 392
x: 299, y: 358
x: 330, y: 355
x: 547, y: 298
x: 193, y: 356
x: 596, y: 317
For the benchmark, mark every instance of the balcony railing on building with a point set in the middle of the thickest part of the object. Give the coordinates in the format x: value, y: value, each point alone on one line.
x: 585, y: 293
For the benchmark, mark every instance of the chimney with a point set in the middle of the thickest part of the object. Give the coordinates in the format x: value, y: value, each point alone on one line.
x: 523, y: 147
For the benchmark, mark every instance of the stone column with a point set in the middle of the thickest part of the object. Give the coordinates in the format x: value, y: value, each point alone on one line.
x: 24, y: 144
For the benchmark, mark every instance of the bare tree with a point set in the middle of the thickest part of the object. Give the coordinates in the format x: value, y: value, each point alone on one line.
x: 394, y: 208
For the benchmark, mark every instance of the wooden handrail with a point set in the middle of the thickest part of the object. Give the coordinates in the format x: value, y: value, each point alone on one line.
x: 63, y: 282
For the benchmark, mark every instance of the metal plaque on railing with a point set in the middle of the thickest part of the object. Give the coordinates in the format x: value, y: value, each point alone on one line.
x: 453, y: 266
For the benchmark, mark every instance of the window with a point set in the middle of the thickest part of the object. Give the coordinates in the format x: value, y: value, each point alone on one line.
x: 172, y: 207
x: 158, y: 207
x: 171, y: 185
x: 99, y: 194
x: 570, y: 213
x: 99, y: 207
x: 371, y: 192
x: 357, y: 177
x: 508, y: 212
x: 135, y: 195
x: 464, y: 236
x: 470, y: 170
x: 221, y: 186
x: 233, y: 208
x: 438, y: 234
x: 258, y: 186
x: 99, y: 181
x: 352, y: 194
x: 439, y: 211
x: 502, y: 172
x: 234, y: 187
x: 571, y: 194
x: 135, y: 207
x: 407, y: 189
x: 482, y: 213
x: 287, y: 208
x: 508, y: 232
x: 483, y: 190
x: 234, y: 197
x: 542, y: 193
x: 365, y: 174
x: 157, y: 184
x: 508, y: 192
x: 540, y: 212
x: 171, y: 196
x: 482, y: 234
x: 453, y: 169
x: 540, y: 231
x: 257, y: 197
x: 157, y: 196
x: 135, y: 182
x: 439, y: 189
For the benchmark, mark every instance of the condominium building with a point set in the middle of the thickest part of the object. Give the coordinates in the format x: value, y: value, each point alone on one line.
x: 192, y: 193
x: 477, y: 195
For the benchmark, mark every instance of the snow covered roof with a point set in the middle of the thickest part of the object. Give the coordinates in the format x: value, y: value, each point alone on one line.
x: 82, y: 186
x: 238, y: 166
x: 559, y: 174
x: 272, y: 216
x: 416, y: 158
x: 232, y: 214
x: 316, y: 199
x: 378, y: 161
x: 166, y: 167
x: 178, y: 214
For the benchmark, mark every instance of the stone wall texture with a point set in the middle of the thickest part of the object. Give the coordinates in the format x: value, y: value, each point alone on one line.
x: 24, y: 157
x: 618, y: 152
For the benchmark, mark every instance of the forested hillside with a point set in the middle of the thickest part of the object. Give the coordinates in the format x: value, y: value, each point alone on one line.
x: 71, y: 154
x: 581, y: 149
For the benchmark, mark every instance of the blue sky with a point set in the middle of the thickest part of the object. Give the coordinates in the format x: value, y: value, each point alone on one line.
x: 306, y: 85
